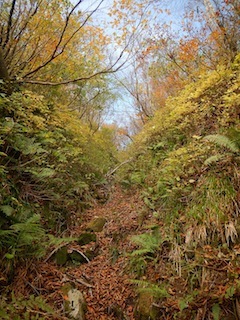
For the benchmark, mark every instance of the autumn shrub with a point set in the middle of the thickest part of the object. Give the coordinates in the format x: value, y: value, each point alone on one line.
x: 42, y: 147
x: 49, y: 164
x: 189, y: 156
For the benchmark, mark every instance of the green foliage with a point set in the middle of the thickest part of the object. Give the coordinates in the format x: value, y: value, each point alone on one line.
x: 42, y: 147
x: 50, y: 163
x: 184, y: 303
x: 223, y: 141
x: 25, y: 239
x: 156, y: 291
x: 216, y: 311
x: 33, y: 308
x: 148, y: 244
x: 230, y: 292
x: 138, y: 265
x: 188, y: 154
x: 171, y: 152
x: 213, y: 159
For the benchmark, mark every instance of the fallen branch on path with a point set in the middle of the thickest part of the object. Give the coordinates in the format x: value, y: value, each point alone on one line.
x: 116, y: 168
x: 80, y: 281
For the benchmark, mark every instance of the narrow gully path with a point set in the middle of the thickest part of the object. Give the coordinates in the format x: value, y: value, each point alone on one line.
x: 111, y: 295
x: 104, y: 281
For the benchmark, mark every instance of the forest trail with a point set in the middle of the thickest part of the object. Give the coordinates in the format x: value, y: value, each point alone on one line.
x: 111, y: 296
x: 104, y: 281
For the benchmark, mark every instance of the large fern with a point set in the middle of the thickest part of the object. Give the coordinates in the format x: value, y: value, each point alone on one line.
x: 213, y: 159
x: 148, y: 243
x: 223, y: 141
x: 24, y: 239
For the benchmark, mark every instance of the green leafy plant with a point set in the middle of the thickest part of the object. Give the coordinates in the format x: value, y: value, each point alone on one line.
x: 33, y: 308
x: 191, y: 179
x: 157, y: 291
x: 24, y: 239
x: 223, y: 142
x: 148, y: 245
x: 216, y: 311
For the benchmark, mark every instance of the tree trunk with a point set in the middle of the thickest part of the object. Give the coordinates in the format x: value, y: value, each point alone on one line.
x: 5, y: 86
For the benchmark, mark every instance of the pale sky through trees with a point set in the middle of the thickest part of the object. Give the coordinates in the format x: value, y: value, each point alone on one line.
x: 123, y: 108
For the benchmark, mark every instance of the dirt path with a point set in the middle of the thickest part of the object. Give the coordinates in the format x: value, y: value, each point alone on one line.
x: 111, y: 296
x: 104, y: 281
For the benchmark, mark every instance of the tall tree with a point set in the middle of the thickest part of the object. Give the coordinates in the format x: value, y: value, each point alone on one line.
x: 36, y: 37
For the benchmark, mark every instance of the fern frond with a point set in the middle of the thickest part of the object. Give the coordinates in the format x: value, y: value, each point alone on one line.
x: 222, y: 141
x: 21, y: 308
x: 31, y: 226
x: 213, y: 159
x: 7, y: 238
x: 30, y: 237
x: 147, y: 242
x: 54, y: 241
x: 153, y: 289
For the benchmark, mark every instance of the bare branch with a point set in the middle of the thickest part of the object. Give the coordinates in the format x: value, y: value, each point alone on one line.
x: 31, y: 15
x: 13, y: 47
x: 110, y: 173
x: 9, y: 22
x: 47, y: 83
x: 6, y: 87
x: 108, y: 70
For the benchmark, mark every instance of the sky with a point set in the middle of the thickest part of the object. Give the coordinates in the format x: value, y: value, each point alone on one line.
x: 123, y: 109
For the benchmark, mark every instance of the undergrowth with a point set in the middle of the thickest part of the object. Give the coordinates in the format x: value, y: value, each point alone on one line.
x: 187, y: 159
x: 20, y: 308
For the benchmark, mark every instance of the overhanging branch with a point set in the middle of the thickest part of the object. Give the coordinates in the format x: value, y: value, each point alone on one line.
x: 112, y: 69
x: 48, y: 83
x: 55, y: 52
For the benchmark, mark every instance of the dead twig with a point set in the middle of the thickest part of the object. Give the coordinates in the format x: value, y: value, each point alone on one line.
x: 80, y: 281
x: 54, y: 251
x: 33, y: 287
x: 116, y: 168
x: 81, y: 253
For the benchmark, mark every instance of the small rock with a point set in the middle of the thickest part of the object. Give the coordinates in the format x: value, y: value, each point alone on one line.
x: 145, y: 309
x: 77, y: 304
x: 77, y: 257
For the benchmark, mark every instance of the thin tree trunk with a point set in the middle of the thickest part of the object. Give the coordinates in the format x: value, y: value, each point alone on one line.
x: 5, y: 87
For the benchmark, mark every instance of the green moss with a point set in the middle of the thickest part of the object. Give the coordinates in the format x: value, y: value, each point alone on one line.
x: 96, y: 225
x: 145, y: 309
x: 86, y: 238
x: 61, y: 256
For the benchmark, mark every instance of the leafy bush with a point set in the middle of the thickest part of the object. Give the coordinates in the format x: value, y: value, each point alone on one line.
x: 48, y: 156
x: 49, y: 164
